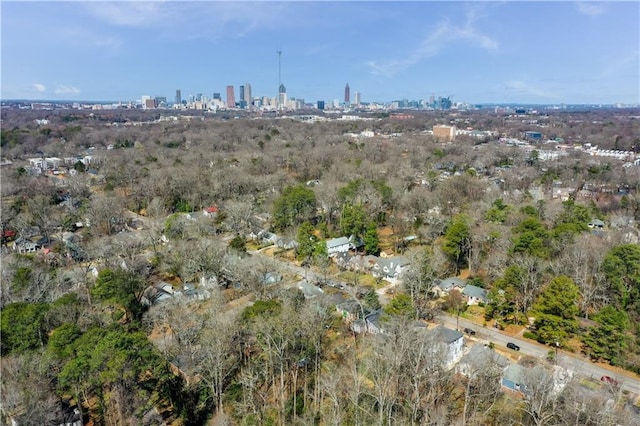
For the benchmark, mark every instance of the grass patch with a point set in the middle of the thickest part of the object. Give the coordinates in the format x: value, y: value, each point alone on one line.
x: 474, y: 313
x: 360, y: 279
x: 589, y: 383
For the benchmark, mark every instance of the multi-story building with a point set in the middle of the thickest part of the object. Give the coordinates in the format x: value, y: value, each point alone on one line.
x: 247, y: 93
x: 242, y: 98
x: 149, y: 103
x: 356, y: 98
x: 282, y: 96
x: 444, y: 133
x: 231, y: 97
x: 178, y: 96
x: 347, y: 94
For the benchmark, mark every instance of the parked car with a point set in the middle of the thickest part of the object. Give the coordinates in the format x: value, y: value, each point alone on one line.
x: 608, y: 379
x: 470, y: 331
x: 513, y: 346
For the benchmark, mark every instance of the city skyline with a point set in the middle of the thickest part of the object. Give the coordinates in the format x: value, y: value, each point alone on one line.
x: 508, y: 52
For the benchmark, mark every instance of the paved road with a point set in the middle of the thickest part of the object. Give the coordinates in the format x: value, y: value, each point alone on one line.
x: 580, y: 366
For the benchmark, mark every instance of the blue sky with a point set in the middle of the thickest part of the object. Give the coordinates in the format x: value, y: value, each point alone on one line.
x: 480, y: 52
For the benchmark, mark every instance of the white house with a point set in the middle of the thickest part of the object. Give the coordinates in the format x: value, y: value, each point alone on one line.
x: 445, y: 286
x: 451, y: 341
x: 337, y: 245
x: 475, y: 294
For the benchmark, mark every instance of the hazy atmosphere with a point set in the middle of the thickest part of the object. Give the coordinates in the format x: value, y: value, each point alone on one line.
x: 528, y: 52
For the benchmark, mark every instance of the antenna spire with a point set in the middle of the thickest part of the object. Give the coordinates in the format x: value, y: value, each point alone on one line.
x: 279, y: 52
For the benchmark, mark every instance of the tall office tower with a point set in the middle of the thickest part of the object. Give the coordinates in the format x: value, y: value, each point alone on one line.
x: 282, y: 96
x: 247, y: 93
x: 231, y: 97
x: 347, y: 94
x: 199, y: 97
x: 242, y: 98
x: 178, y: 96
x: 320, y: 105
x: 356, y: 98
x: 216, y: 95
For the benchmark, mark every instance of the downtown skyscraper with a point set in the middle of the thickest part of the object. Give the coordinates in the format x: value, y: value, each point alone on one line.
x: 347, y: 94
x: 231, y: 97
x: 247, y: 93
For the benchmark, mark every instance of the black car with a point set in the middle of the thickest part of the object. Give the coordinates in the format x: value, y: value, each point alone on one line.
x: 513, y: 346
x: 470, y: 331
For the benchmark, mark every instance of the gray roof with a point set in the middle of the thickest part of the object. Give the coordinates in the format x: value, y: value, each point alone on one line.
x: 480, y: 355
x: 391, y: 263
x: 475, y: 291
x: 449, y: 283
x: 374, y: 317
x: 514, y: 373
x: 337, y: 242
x: 446, y: 335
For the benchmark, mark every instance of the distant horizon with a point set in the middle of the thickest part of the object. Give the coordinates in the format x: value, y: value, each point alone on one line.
x: 515, y: 52
x: 482, y: 104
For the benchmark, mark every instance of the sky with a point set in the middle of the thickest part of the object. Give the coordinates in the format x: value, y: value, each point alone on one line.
x: 477, y: 52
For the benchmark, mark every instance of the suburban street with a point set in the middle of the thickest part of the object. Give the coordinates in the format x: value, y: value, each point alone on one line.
x: 580, y: 366
x: 484, y: 335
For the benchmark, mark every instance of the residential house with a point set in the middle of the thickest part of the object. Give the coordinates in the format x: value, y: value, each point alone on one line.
x: 475, y: 294
x: 286, y: 243
x: 210, y: 211
x: 370, y: 324
x: 193, y: 292
x: 262, y: 236
x: 356, y: 243
x: 268, y: 237
x: 445, y: 286
x: 22, y: 245
x: 513, y: 379
x: 391, y: 267
x: 481, y: 358
x: 451, y: 342
x: 361, y: 263
x: 342, y: 259
x: 337, y: 245
x: 157, y: 293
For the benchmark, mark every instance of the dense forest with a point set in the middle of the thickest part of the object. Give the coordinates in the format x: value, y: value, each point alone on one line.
x: 149, y: 205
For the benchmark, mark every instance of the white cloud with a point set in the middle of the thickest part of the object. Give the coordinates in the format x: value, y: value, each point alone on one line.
x: 128, y: 13
x: 66, y: 90
x: 205, y: 19
x: 442, y: 36
x: 39, y: 87
x: 591, y: 8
